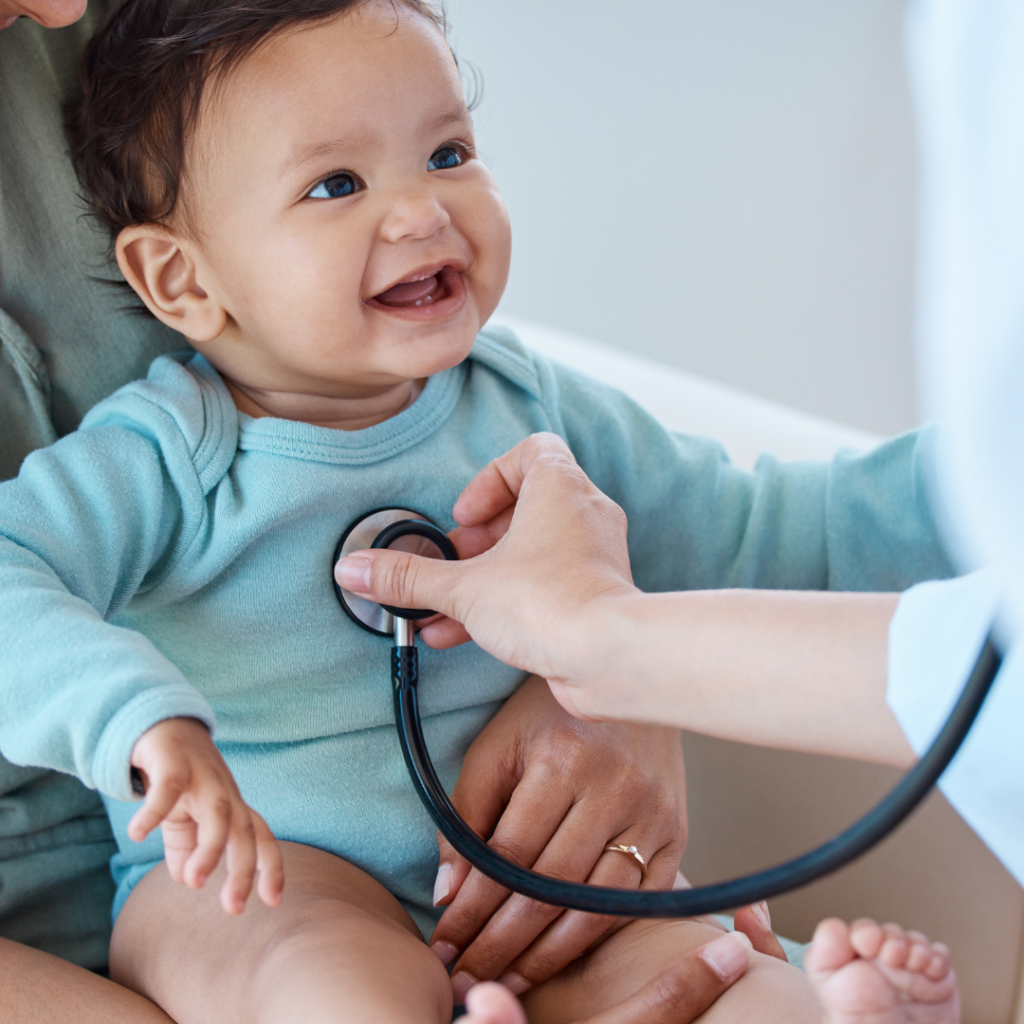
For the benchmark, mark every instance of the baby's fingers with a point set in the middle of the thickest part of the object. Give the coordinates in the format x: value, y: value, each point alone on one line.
x: 164, y: 792
x: 241, y: 862
x: 213, y: 818
x: 251, y: 848
x: 270, y: 864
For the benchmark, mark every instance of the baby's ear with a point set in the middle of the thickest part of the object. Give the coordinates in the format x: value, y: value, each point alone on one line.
x: 159, y: 267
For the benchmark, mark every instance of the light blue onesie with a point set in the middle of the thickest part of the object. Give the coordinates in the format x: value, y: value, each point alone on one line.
x: 174, y: 557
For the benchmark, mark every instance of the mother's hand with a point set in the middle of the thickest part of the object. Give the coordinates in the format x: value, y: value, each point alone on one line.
x: 551, y: 792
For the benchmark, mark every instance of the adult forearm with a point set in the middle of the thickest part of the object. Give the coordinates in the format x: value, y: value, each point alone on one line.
x: 801, y: 671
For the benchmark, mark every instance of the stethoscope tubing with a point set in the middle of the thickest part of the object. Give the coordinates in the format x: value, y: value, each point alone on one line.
x: 829, y: 857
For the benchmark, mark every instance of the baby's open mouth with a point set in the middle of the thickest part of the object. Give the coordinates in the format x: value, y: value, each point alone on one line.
x: 426, y: 290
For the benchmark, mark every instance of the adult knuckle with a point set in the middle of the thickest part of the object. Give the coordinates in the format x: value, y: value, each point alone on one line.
x: 486, y: 960
x: 544, y: 962
x: 393, y: 576
x: 573, y: 748
x: 514, y: 848
x: 665, y: 809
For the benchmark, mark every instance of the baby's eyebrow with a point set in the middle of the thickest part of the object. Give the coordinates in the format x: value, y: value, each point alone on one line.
x: 313, y: 151
x: 457, y: 115
x: 353, y: 143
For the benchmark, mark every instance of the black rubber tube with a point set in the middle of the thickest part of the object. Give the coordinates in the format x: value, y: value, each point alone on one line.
x: 829, y: 857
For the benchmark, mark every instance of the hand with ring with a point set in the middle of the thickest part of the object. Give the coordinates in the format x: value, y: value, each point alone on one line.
x: 566, y: 798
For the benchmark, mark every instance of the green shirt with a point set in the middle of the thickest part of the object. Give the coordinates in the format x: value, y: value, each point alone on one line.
x: 65, y: 343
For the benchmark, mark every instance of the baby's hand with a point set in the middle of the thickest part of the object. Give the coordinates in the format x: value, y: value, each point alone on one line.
x: 192, y: 795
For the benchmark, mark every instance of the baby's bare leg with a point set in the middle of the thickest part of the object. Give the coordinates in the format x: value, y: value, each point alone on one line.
x: 339, y: 949
x: 770, y: 991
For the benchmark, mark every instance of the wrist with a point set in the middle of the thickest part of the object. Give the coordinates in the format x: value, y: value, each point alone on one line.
x: 168, y: 731
x: 600, y: 654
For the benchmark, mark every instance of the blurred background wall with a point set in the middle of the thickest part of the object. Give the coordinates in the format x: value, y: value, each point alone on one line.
x: 724, y: 185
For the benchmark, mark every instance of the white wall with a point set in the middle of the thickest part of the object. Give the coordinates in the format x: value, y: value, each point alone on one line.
x: 726, y: 185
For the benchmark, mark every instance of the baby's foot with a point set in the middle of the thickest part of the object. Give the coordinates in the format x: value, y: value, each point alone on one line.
x: 866, y: 973
x: 491, y: 1003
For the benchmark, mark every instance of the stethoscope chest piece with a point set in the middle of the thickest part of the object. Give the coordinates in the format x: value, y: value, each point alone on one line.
x: 399, y: 529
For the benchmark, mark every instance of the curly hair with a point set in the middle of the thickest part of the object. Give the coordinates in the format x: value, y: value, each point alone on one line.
x: 140, y: 86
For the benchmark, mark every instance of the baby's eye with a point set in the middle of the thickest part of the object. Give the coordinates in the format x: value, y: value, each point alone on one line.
x: 445, y: 157
x: 337, y: 186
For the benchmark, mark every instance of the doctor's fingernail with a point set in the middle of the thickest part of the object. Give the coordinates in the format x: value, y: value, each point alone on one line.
x: 443, y: 883
x: 445, y: 952
x: 515, y: 983
x: 353, y: 573
x: 761, y: 913
x: 728, y: 956
x: 461, y: 984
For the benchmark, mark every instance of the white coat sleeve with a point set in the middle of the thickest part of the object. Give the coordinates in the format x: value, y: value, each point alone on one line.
x: 934, y: 639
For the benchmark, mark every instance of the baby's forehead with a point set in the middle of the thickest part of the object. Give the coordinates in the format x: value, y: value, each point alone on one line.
x: 373, y: 70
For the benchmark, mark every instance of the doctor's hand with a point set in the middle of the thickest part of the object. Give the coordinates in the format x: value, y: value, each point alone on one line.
x: 543, y: 549
x: 552, y: 792
x: 192, y: 795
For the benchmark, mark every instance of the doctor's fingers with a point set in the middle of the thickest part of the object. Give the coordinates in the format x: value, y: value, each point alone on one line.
x: 497, y: 487
x: 565, y: 544
x: 444, y: 632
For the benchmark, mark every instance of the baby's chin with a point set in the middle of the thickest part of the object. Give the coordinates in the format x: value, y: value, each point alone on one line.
x: 434, y: 348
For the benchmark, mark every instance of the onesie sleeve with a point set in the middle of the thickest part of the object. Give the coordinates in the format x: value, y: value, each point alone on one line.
x: 89, y: 523
x: 861, y: 522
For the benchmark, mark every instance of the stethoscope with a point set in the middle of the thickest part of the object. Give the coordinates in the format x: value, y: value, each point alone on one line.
x: 406, y: 530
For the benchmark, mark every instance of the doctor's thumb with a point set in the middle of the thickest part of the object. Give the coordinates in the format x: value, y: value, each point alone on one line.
x: 398, y: 579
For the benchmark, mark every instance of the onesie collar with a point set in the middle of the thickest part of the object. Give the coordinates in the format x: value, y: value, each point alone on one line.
x: 295, y: 440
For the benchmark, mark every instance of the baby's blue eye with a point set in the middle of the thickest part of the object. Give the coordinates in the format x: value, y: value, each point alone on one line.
x: 445, y: 157
x: 337, y: 186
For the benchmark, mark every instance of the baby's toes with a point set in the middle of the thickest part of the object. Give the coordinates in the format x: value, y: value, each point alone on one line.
x: 925, y: 991
x: 830, y: 949
x: 919, y: 957
x: 938, y: 968
x: 895, y: 946
x: 867, y: 937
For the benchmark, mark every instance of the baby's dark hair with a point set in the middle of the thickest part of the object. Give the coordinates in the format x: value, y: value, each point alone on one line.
x: 141, y: 81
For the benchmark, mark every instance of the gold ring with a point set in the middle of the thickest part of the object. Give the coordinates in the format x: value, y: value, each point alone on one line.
x: 629, y: 851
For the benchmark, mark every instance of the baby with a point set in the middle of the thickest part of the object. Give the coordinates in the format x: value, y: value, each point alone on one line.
x: 297, y: 192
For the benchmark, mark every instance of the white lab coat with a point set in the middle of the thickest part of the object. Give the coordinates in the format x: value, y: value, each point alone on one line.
x: 967, y: 61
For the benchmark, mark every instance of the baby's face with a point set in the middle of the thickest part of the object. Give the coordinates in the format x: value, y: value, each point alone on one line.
x: 343, y: 220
